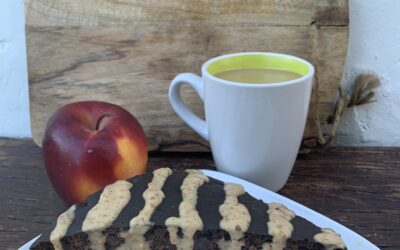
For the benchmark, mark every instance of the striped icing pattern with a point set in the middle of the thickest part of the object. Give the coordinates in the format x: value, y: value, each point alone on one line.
x: 329, y: 239
x: 279, y: 226
x: 112, y: 200
x: 169, y: 207
x: 140, y: 224
x: 235, y: 217
x: 188, y: 205
x: 61, y: 228
x: 189, y: 220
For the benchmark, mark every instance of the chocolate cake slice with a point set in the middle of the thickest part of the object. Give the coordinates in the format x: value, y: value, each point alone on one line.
x: 176, y: 209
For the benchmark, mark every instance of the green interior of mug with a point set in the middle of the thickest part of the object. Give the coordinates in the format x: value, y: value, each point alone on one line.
x: 258, y: 61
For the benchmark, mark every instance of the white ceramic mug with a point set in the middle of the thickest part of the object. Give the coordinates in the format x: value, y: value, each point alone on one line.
x: 254, y: 130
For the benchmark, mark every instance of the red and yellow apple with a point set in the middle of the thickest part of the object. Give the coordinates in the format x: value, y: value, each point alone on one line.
x: 87, y: 145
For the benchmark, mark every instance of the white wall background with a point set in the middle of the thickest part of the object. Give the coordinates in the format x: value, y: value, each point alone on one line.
x: 374, y: 46
x: 14, y: 104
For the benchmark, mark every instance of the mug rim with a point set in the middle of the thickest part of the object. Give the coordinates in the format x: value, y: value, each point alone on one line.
x: 206, y: 74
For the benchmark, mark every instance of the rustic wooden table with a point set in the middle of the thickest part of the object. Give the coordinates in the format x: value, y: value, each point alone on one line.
x: 358, y: 187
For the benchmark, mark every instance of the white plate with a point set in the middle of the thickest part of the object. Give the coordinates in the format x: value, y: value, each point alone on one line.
x: 352, y: 240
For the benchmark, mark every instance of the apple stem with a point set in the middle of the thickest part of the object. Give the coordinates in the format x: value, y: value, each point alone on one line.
x: 100, y: 119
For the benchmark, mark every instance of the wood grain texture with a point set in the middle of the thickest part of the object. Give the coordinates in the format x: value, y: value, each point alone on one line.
x: 185, y: 13
x: 357, y: 187
x: 127, y: 52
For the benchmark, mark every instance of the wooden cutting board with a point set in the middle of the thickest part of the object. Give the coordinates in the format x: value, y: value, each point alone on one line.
x: 127, y: 51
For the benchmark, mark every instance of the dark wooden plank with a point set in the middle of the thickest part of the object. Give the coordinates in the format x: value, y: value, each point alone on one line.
x: 358, y: 187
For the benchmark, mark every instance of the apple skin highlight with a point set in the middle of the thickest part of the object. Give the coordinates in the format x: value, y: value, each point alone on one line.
x: 87, y: 145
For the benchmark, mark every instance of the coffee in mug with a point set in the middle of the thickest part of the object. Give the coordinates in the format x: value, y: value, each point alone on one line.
x: 254, y: 75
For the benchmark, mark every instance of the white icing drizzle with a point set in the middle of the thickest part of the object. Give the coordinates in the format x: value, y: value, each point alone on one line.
x: 112, y: 200
x: 61, y: 228
x: 235, y: 217
x: 279, y: 226
x: 139, y: 225
x: 329, y: 239
x: 189, y: 220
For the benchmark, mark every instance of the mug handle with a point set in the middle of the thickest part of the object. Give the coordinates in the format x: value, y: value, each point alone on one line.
x: 196, y: 123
